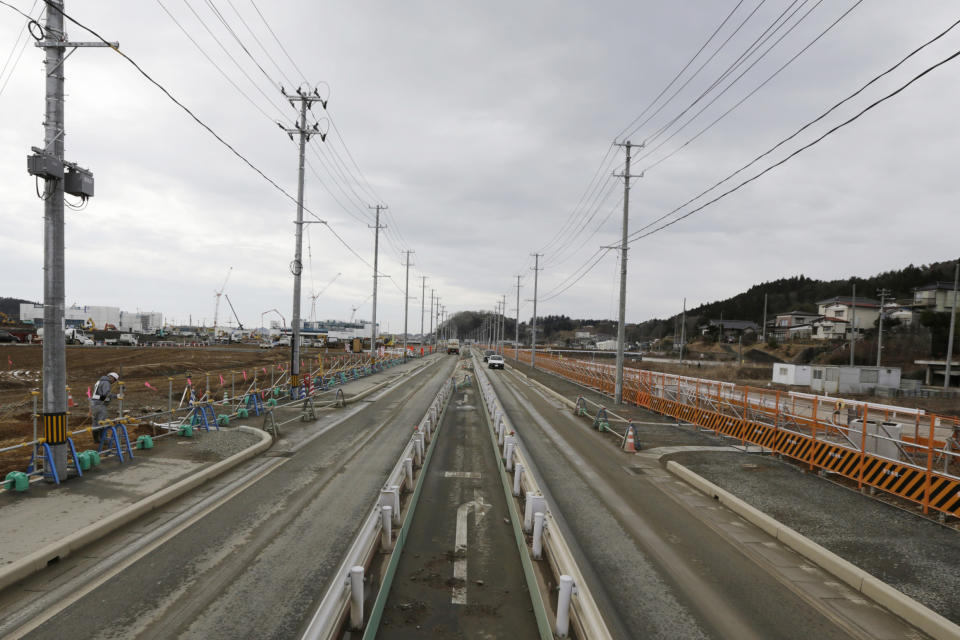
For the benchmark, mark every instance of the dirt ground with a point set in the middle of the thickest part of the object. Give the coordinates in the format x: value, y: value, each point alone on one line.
x: 20, y: 369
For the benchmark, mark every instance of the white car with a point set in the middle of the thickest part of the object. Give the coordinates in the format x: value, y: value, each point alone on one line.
x: 495, y: 362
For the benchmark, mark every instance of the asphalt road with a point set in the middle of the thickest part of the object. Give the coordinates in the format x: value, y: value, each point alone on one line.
x: 253, y: 562
x: 477, y: 590
x: 662, y: 564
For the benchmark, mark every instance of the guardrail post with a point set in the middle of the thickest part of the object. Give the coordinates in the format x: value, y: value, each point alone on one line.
x: 393, y: 495
x: 408, y: 473
x: 563, y: 606
x: 528, y: 511
x: 507, y: 442
x: 386, y: 530
x: 538, y: 535
x: 501, y: 428
x: 509, y: 456
x: 356, y: 597
x: 517, y: 478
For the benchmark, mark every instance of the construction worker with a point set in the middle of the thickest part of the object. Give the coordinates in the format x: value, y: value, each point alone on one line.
x: 99, y: 400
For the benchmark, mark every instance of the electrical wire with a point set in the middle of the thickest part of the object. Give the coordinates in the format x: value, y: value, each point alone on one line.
x: 650, y: 152
x: 800, y: 150
x: 279, y: 42
x: 666, y: 88
x: 806, y: 126
x: 260, y: 44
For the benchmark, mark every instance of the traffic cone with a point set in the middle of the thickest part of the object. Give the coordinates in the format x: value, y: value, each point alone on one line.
x: 70, y: 402
x: 629, y: 445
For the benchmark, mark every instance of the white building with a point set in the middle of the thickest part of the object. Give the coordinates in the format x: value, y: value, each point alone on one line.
x: 607, y: 345
x: 98, y: 317
x: 837, y: 316
x: 835, y: 379
x: 792, y: 374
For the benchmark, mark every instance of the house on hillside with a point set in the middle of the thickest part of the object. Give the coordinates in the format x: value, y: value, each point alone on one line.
x: 838, y: 315
x: 934, y: 297
x: 731, y: 329
x: 793, y: 324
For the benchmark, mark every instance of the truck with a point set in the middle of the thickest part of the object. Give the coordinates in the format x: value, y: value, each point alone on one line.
x: 71, y: 335
x: 453, y: 346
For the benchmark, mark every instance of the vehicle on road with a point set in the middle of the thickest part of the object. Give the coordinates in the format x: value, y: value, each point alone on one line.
x: 453, y: 346
x: 6, y: 336
x: 487, y: 354
x: 495, y: 362
x: 267, y: 344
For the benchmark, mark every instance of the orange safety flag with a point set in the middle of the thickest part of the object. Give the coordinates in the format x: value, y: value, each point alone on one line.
x: 244, y: 375
x: 150, y: 386
x: 221, y: 379
x: 189, y: 381
x: 88, y: 393
x: 264, y: 370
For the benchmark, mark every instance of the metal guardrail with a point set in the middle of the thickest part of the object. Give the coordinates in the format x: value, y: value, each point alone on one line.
x: 575, y: 602
x: 923, y: 468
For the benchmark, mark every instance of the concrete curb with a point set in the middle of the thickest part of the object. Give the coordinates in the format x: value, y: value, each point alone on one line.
x: 38, y: 560
x: 918, y: 615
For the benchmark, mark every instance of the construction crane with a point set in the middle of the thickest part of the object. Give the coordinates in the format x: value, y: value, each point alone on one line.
x: 313, y: 299
x: 239, y: 324
x: 216, y: 308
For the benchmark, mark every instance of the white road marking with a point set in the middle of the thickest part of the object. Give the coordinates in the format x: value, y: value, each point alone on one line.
x: 461, y: 474
x: 480, y: 508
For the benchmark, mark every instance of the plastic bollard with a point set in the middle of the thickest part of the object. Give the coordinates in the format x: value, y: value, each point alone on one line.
x: 83, y: 459
x: 144, y: 442
x: 94, y: 457
x: 186, y: 431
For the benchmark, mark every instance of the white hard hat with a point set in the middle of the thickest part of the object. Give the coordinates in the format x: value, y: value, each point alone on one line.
x: 115, y: 376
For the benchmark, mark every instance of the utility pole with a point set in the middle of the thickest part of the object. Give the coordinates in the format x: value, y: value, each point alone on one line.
x: 306, y: 100
x: 883, y: 297
x: 764, y: 333
x: 423, y: 306
x: 953, y: 324
x: 533, y: 334
x: 406, y: 302
x: 432, y: 338
x: 853, y: 324
x: 683, y: 330
x: 621, y: 325
x: 516, y: 350
x: 503, y: 323
x: 376, y: 254
x: 48, y: 163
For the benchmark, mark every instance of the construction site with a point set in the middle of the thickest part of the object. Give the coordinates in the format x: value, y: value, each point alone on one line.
x: 158, y: 384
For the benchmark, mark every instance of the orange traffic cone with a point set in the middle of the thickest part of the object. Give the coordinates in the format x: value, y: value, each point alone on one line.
x: 629, y: 445
x: 70, y: 402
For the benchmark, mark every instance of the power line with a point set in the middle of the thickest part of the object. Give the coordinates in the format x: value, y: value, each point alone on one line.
x: 804, y: 127
x: 681, y: 72
x: 303, y: 76
x: 801, y: 149
x: 260, y: 44
x: 25, y: 34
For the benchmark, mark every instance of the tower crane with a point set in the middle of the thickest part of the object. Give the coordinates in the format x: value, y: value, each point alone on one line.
x: 216, y: 308
x: 313, y: 298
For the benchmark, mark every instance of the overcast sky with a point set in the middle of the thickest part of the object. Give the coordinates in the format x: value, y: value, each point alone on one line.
x: 482, y: 126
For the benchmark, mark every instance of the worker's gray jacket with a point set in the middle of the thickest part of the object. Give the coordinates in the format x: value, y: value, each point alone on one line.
x: 101, y: 391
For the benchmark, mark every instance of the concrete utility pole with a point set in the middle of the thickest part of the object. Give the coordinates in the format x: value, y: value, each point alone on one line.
x: 764, y: 333
x: 533, y: 334
x: 621, y: 325
x: 306, y: 100
x: 376, y: 256
x: 432, y: 337
x: 953, y: 324
x: 503, y: 323
x: 423, y: 306
x: 853, y: 324
x: 883, y: 296
x: 516, y: 350
x: 406, y: 302
x: 48, y: 163
x: 683, y: 330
